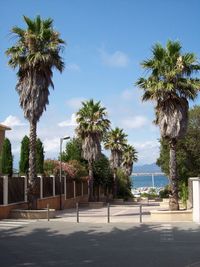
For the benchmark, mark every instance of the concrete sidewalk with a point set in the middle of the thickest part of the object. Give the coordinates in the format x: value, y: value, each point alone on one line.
x: 118, y: 214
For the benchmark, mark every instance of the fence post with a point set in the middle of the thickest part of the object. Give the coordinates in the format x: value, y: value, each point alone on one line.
x: 54, y: 185
x: 140, y: 213
x: 108, y: 213
x: 5, y: 190
x: 41, y: 186
x: 48, y: 212
x: 77, y: 213
x: 65, y: 186
x: 74, y: 189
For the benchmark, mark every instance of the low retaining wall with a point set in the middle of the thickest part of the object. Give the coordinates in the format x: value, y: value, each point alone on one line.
x: 171, y: 216
x: 31, y: 214
x: 54, y: 203
x: 5, y: 210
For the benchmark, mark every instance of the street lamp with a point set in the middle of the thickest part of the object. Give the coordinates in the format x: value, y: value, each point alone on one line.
x: 61, y: 141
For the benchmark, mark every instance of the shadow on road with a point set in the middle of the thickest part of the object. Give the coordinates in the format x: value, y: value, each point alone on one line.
x: 69, y: 244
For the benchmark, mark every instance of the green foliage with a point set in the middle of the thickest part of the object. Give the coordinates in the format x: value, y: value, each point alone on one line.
x: 183, y: 194
x: 165, y: 192
x: 7, y: 158
x: 102, y: 172
x: 188, y: 160
x: 115, y: 140
x: 151, y: 194
x: 73, y: 151
x: 49, y: 166
x: 123, y: 185
x: 24, y: 156
x: 39, y: 157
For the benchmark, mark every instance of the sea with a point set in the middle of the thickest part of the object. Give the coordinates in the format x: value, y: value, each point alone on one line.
x: 160, y: 181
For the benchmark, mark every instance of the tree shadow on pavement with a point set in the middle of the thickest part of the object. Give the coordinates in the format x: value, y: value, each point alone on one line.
x: 68, y: 244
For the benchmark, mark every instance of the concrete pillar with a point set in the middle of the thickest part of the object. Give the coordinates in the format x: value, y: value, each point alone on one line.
x: 74, y: 189
x: 54, y: 185
x: 41, y: 186
x: 196, y: 199
x: 5, y: 190
x: 65, y: 187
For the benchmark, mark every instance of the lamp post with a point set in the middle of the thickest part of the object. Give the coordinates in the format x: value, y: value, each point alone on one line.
x: 61, y: 141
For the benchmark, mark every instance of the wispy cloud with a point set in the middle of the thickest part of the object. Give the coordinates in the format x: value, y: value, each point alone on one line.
x: 69, y: 123
x: 116, y: 59
x: 13, y: 121
x: 148, y: 151
x: 51, y: 145
x: 73, y: 67
x: 135, y: 122
x: 75, y: 103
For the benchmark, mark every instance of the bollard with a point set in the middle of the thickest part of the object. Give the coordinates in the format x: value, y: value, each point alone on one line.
x: 48, y: 212
x: 108, y: 213
x: 140, y: 213
x: 77, y: 213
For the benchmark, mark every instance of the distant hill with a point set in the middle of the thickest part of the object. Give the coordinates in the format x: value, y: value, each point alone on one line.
x: 147, y: 168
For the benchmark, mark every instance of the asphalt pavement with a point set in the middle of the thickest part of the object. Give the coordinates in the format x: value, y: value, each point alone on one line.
x: 62, y: 243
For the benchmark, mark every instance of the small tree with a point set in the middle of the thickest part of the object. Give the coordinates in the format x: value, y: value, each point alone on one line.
x: 7, y: 158
x: 73, y: 151
x: 24, y: 156
x: 39, y: 156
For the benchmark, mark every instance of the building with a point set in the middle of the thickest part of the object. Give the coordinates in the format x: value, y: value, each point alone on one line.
x: 3, y: 128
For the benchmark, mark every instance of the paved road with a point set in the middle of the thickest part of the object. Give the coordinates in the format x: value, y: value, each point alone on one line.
x: 61, y: 243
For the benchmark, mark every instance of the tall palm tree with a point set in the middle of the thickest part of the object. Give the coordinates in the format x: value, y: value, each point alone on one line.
x: 92, y: 125
x: 35, y: 54
x: 128, y: 158
x: 115, y: 141
x: 171, y: 84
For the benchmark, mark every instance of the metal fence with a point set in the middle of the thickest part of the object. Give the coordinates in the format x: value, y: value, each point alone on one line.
x: 14, y: 189
x: 47, y: 186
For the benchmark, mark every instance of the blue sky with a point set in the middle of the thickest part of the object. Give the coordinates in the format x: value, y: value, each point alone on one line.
x: 106, y: 41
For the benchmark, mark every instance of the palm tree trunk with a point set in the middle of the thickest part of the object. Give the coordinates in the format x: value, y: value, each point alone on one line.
x: 91, y: 181
x: 32, y: 166
x: 115, y: 183
x: 173, y: 201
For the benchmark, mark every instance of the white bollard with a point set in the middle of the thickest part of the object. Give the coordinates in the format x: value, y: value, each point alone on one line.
x: 41, y: 186
x: 5, y: 190
x: 54, y: 185
x: 196, y: 199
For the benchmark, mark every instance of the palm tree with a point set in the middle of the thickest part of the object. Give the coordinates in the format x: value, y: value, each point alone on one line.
x: 128, y: 158
x: 171, y: 84
x: 115, y: 141
x: 35, y: 54
x: 92, y: 125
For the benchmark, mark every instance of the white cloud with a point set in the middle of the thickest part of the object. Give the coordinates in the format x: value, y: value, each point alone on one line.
x: 116, y: 59
x: 13, y: 121
x: 132, y: 94
x: 73, y: 67
x: 69, y: 123
x: 148, y: 151
x: 135, y: 122
x: 51, y: 145
x: 75, y: 103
